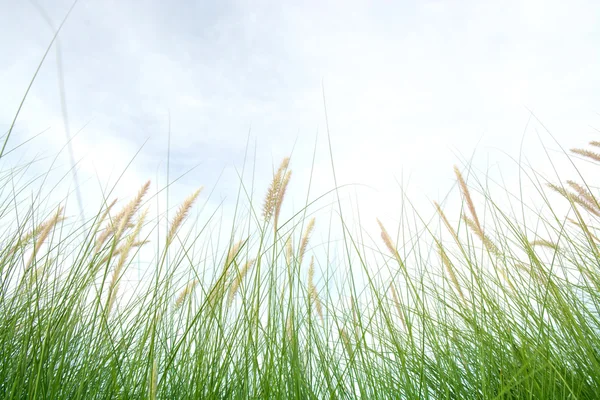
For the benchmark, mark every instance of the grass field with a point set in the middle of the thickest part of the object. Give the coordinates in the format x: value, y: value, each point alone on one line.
x: 495, y: 305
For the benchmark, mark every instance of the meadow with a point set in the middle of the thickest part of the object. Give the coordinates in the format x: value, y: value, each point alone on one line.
x: 481, y: 302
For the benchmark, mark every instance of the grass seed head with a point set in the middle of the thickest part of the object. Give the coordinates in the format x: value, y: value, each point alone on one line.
x: 487, y: 242
x: 130, y: 210
x: 545, y: 243
x: 44, y: 231
x: 181, y: 214
x: 280, y: 197
x: 312, y: 289
x: 587, y: 153
x: 273, y: 194
x: 105, y: 213
x: 185, y: 293
x: 467, y: 195
x: 289, y: 251
x: 385, y: 236
x: 590, y: 207
x: 121, y: 221
x: 232, y: 254
x: 235, y: 286
x: 305, y: 239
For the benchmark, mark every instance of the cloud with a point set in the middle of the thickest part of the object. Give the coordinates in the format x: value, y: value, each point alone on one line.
x: 410, y: 88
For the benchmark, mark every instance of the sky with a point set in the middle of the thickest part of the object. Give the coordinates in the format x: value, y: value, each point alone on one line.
x: 409, y: 89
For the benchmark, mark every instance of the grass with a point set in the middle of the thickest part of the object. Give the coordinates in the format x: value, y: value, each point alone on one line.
x: 501, y: 304
x: 491, y: 307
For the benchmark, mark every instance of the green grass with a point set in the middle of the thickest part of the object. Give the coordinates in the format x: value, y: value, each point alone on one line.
x: 497, y: 300
x: 501, y: 304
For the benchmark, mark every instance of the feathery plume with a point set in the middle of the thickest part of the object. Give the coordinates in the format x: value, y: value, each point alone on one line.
x: 238, y: 281
x: 233, y: 253
x: 591, y: 203
x: 102, y: 237
x: 595, y: 143
x: 583, y: 192
x: 289, y: 251
x: 279, y: 202
x: 181, y: 214
x: 41, y: 228
x: 122, y: 219
x: 273, y: 196
x: 216, y: 292
x: 107, y: 230
x: 560, y: 190
x: 592, y: 208
x: 388, y: 241
x: 587, y: 153
x: 449, y: 269
x: 105, y: 213
x: 23, y: 241
x: 131, y: 239
x: 467, y: 196
x: 446, y: 222
x: 123, y: 254
x: 312, y: 289
x: 487, y: 242
x: 185, y: 293
x: 544, y: 243
x: 305, y: 239
x: 44, y: 230
x: 131, y: 209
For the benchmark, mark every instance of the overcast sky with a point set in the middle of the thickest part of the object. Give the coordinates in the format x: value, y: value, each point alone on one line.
x: 412, y: 88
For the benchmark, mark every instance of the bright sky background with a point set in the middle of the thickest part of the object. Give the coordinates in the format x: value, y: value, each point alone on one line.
x: 412, y: 88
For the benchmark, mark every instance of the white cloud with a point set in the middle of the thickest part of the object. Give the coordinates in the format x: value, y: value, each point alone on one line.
x: 411, y: 88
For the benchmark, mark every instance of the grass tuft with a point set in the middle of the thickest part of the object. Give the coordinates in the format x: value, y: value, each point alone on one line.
x: 94, y: 310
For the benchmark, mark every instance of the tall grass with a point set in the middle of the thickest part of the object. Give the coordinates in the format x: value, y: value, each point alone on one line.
x: 488, y: 307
